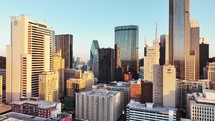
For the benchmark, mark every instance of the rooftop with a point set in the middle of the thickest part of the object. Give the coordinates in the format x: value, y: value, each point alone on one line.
x: 13, y: 116
x: 5, y: 108
x: 41, y: 103
x: 207, y: 96
x: 150, y: 107
x: 101, y: 92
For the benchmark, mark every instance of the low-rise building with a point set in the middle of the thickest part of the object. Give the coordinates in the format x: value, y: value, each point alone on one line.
x: 99, y: 105
x: 201, y: 105
x: 147, y: 112
x: 36, y: 107
x: 184, y: 87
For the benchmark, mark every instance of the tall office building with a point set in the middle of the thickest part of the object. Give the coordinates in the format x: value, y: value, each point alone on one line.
x: 169, y: 86
x: 58, y: 65
x: 94, y: 64
x: 203, y: 54
x: 179, y: 35
x: 158, y: 85
x: 127, y: 38
x: 147, y: 91
x: 29, y: 54
x: 2, y: 62
x: 106, y: 65
x: 211, y: 71
x: 64, y: 43
x: 164, y: 85
x: 99, y: 105
x: 118, y: 70
x: 152, y: 57
x: 192, y: 63
x: 48, y: 86
x: 164, y: 49
x: 88, y: 76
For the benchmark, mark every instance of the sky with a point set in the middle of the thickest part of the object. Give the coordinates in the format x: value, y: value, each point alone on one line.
x: 89, y: 20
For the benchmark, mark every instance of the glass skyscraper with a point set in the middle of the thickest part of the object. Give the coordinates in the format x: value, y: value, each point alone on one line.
x: 127, y: 38
x: 179, y: 33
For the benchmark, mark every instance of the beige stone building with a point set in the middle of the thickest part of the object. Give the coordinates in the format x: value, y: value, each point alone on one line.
x: 74, y: 85
x: 58, y: 65
x: 29, y: 54
x: 48, y: 86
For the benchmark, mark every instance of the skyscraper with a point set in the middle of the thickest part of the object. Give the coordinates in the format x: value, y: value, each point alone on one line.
x: 164, y: 49
x: 118, y: 71
x: 179, y: 34
x: 29, y: 54
x: 106, y: 65
x: 192, y: 60
x: 64, y: 43
x: 203, y: 54
x: 152, y: 57
x: 94, y: 58
x: 127, y: 38
x: 58, y: 64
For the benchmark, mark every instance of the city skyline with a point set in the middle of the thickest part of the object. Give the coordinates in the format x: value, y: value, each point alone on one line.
x: 96, y: 20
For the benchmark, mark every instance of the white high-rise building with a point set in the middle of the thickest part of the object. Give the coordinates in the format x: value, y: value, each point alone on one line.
x: 29, y: 54
x: 152, y: 57
x: 164, y: 85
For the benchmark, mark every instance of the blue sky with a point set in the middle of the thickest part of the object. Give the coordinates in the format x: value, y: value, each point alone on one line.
x: 89, y: 20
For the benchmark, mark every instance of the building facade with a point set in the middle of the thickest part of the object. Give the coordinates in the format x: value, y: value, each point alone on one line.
x: 64, y: 43
x: 99, y: 105
x: 147, y: 91
x: 136, y: 90
x: 127, y: 38
x: 58, y: 65
x: 94, y: 60
x: 106, y: 65
x: 3, y: 74
x: 201, y: 106
x: 36, y: 107
x: 158, y: 85
x: 152, y: 57
x: 48, y: 86
x: 186, y: 86
x: 29, y: 54
x: 147, y: 112
x: 74, y: 85
x: 211, y: 71
x: 1, y: 89
x: 179, y: 35
x: 203, y: 54
x: 164, y: 49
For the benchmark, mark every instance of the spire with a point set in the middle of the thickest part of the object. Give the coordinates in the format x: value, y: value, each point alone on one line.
x: 146, y: 42
x: 156, y: 32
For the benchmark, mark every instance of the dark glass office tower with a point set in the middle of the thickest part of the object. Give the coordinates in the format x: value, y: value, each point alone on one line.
x: 179, y: 34
x: 106, y: 65
x: 65, y: 44
x: 127, y: 38
x: 203, y: 55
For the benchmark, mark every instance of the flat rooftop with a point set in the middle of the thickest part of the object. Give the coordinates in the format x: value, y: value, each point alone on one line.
x: 13, y: 116
x: 41, y: 103
x: 5, y: 108
x: 100, y: 92
x: 207, y: 96
x: 143, y: 107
